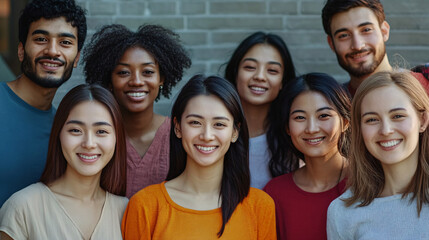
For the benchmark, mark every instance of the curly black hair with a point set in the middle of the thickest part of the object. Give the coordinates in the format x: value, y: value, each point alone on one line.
x: 50, y: 9
x: 109, y: 43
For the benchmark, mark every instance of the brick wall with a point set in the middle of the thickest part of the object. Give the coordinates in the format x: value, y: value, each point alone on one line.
x: 211, y: 29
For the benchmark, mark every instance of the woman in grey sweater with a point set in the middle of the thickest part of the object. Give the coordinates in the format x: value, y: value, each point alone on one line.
x: 388, y: 192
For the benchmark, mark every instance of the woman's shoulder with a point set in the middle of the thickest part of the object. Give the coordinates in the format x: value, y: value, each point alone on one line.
x: 278, y: 183
x: 151, y: 193
x: 257, y: 197
x: 28, y: 194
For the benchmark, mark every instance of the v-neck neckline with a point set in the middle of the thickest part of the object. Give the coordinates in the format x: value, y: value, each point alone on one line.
x: 52, y: 194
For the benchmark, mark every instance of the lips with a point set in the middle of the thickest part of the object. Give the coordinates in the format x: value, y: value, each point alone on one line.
x: 49, y: 63
x: 258, y: 89
x: 136, y: 95
x: 359, y: 55
x: 88, y: 158
x: 206, y: 149
x: 390, y: 143
x: 314, y: 141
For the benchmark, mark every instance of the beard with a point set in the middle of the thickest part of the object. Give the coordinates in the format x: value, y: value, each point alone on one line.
x: 363, y: 70
x: 29, y: 70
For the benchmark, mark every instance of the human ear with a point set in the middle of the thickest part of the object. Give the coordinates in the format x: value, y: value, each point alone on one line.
x: 424, y: 121
x: 234, y: 135
x: 177, y: 130
x: 76, y: 60
x: 21, y: 52
x: 330, y: 42
x: 385, y: 31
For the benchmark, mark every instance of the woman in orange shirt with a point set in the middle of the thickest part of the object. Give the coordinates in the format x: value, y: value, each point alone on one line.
x: 208, y: 194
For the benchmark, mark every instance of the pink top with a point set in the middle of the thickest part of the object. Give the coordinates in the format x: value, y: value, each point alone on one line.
x: 152, y: 168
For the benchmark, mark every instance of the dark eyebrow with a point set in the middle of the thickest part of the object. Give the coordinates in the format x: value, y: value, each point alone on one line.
x: 43, y: 32
x: 254, y: 60
x: 144, y: 64
x: 345, y: 29
x: 94, y: 124
x: 318, y: 110
x: 199, y: 116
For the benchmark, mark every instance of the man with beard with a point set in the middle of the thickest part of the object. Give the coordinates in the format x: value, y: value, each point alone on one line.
x: 51, y: 35
x: 357, y: 32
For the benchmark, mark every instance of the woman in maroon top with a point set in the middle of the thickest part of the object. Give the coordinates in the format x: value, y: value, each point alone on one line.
x: 314, y: 125
x: 138, y: 67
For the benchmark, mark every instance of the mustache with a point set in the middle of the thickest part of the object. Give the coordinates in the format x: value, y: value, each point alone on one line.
x: 358, y: 52
x: 48, y: 58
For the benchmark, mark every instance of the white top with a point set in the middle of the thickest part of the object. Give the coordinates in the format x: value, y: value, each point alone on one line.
x: 35, y: 213
x: 385, y: 218
x: 259, y: 157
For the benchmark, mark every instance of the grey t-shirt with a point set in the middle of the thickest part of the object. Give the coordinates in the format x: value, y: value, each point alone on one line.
x: 390, y: 218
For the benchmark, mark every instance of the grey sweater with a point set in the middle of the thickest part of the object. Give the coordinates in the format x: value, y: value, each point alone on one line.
x: 385, y: 218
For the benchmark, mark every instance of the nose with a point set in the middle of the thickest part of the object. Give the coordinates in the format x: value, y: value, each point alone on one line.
x: 52, y: 49
x: 312, y: 126
x: 386, y: 128
x: 260, y: 74
x: 136, y: 79
x: 357, y: 43
x: 207, y: 134
x: 89, y: 141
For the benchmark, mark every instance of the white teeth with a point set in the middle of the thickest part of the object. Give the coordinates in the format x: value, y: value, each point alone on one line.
x: 259, y: 89
x: 137, y: 94
x: 50, y: 65
x: 92, y: 157
x: 315, y: 140
x: 206, y: 149
x: 390, y: 143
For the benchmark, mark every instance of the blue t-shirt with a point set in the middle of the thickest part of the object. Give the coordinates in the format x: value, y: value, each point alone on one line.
x: 24, y: 138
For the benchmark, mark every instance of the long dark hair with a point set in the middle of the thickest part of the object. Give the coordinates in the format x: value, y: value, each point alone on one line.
x: 285, y: 156
x: 235, y: 182
x: 113, y: 176
x: 232, y: 67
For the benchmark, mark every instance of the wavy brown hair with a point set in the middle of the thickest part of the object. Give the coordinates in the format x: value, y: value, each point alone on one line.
x: 366, y: 179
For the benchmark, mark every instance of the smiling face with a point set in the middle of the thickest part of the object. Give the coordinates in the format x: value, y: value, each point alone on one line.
x: 136, y: 80
x: 207, y: 130
x: 390, y: 128
x: 88, y: 139
x: 358, y: 40
x: 50, y: 52
x: 260, y: 75
x: 314, y: 125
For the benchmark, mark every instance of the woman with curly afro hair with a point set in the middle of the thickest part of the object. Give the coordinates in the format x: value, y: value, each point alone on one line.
x: 138, y: 67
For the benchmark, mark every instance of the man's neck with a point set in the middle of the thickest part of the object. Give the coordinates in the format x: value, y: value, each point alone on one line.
x: 33, y: 94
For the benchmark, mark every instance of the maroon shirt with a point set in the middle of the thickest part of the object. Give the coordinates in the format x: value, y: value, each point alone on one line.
x: 300, y: 214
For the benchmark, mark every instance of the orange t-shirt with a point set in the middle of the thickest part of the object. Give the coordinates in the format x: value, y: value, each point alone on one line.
x: 152, y: 214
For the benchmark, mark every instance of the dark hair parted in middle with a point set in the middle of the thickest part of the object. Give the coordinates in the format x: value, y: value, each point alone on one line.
x: 236, y: 176
x: 109, y: 44
x: 285, y: 156
x: 232, y: 67
x: 113, y: 176
x: 333, y: 7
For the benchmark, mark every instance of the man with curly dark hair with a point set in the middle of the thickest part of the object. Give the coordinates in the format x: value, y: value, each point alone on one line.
x: 51, y: 35
x: 138, y: 67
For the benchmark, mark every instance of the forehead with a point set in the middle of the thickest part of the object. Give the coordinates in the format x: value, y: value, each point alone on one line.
x: 264, y: 53
x: 54, y: 26
x: 310, y: 100
x: 90, y: 111
x: 392, y: 97
x: 353, y: 18
x: 137, y: 54
x: 206, y: 106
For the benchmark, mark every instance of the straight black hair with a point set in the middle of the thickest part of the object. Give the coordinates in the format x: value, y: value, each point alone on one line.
x: 235, y: 182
